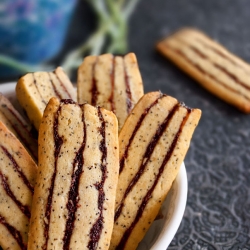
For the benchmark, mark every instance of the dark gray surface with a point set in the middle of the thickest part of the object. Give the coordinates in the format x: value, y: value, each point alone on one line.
x: 217, y: 215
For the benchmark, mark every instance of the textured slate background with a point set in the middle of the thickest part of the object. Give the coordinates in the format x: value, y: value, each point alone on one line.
x: 217, y: 215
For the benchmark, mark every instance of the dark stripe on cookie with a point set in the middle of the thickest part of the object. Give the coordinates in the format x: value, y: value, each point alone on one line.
x: 73, y: 199
x: 125, y: 154
x: 128, y: 90
x: 14, y: 232
x: 112, y: 76
x: 94, y: 91
x: 39, y: 93
x: 223, y: 55
x: 54, y: 87
x: 218, y: 66
x: 62, y: 85
x: 25, y: 209
x: 19, y: 132
x: 17, y: 168
x: 96, y: 230
x: 58, y: 141
x: 198, y: 67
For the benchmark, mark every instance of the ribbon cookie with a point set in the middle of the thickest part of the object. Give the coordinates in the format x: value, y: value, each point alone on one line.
x: 216, y: 69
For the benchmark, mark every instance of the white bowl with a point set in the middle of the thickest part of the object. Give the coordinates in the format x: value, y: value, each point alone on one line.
x: 162, y: 231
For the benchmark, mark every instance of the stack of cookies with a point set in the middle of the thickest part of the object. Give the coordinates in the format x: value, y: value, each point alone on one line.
x: 107, y: 157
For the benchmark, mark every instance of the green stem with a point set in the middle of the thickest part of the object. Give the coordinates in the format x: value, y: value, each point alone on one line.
x: 118, y: 29
x: 129, y: 8
x: 19, y: 66
x: 93, y: 44
x: 99, y: 7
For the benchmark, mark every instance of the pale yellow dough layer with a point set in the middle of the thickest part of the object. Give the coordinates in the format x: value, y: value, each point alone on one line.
x: 18, y: 125
x: 17, y: 179
x: 112, y: 82
x: 34, y: 91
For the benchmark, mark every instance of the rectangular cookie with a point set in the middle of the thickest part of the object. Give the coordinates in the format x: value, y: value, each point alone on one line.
x: 216, y: 69
x: 112, y: 82
x: 74, y: 198
x: 34, y: 91
x: 18, y: 126
x: 152, y: 145
x: 17, y: 180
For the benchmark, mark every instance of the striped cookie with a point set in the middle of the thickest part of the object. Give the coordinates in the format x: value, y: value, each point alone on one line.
x: 215, y: 68
x: 73, y: 205
x: 112, y: 82
x: 152, y: 145
x: 34, y: 90
x: 17, y: 179
x: 17, y: 125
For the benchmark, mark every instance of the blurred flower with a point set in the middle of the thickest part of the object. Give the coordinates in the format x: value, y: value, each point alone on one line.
x: 34, y: 32
x: 31, y: 31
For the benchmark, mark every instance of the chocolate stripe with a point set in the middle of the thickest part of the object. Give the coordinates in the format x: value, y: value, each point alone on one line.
x: 95, y: 231
x: 149, y: 150
x: 148, y: 196
x: 73, y: 199
x: 94, y: 91
x: 128, y: 90
x: 20, y: 134
x: 197, y: 66
x: 14, y: 232
x: 17, y: 168
x: 25, y: 209
x: 16, y: 117
x: 220, y: 67
x: 125, y: 154
x: 63, y: 85
x: 112, y: 76
x: 54, y: 87
x: 58, y: 141
x: 35, y: 82
x: 223, y: 55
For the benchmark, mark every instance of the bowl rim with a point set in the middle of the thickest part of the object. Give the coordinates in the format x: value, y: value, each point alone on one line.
x: 171, y: 226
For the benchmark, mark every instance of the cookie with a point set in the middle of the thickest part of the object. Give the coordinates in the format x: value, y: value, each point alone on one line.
x: 112, y: 82
x: 74, y: 198
x: 17, y: 180
x: 216, y: 69
x: 152, y: 145
x: 34, y: 90
x: 18, y: 126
